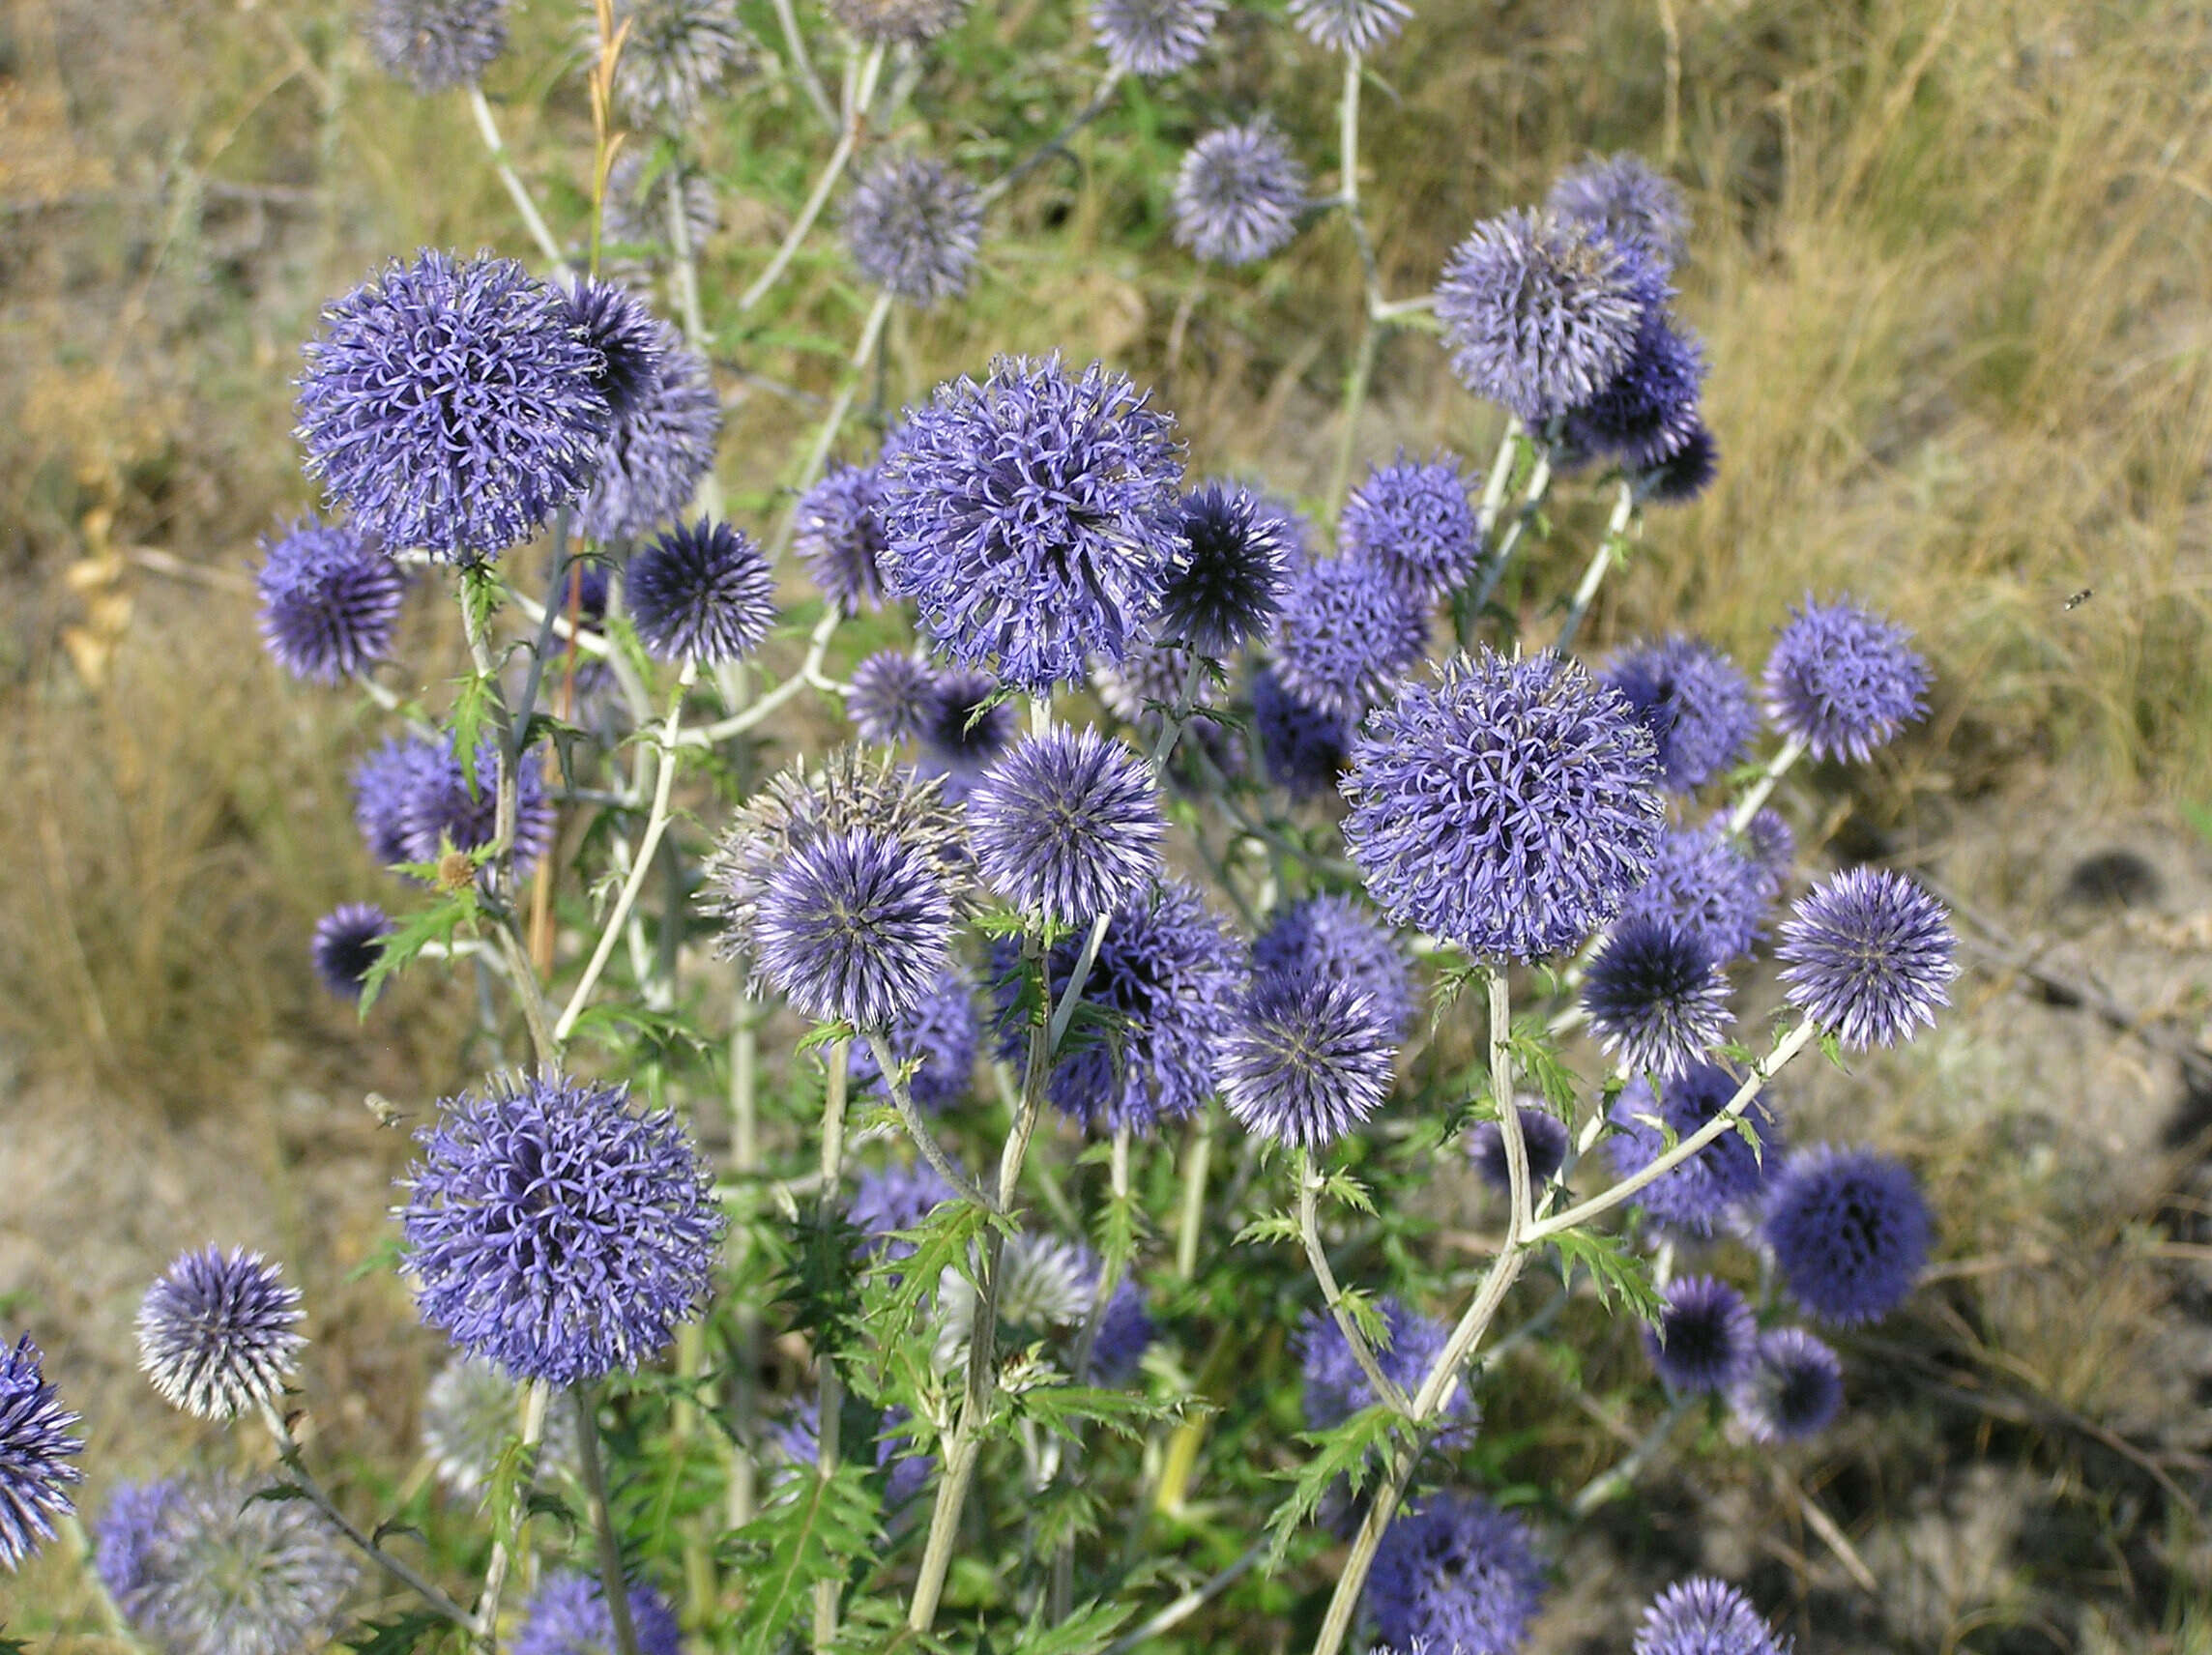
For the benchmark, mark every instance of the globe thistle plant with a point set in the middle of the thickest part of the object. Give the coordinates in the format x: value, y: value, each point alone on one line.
x: 631, y: 342
x: 1339, y: 937
x: 451, y: 406
x: 837, y: 533
x: 1850, y: 1231
x: 1703, y: 1617
x: 1693, y: 700
x: 897, y: 22
x: 1229, y: 584
x: 1303, y: 747
x: 328, y: 599
x: 442, y: 806
x: 1414, y: 519
x: 893, y: 1200
x: 651, y: 464
x: 1459, y: 1574
x: 555, y: 1230
x: 1683, y: 475
x: 675, y: 55
x: 437, y: 44
x: 701, y: 595
x: 1842, y: 680
x: 1869, y: 954
x: 892, y: 697
x: 1649, y: 409
x: 1706, y: 1335
x: 1335, y: 1386
x: 1346, y: 632
x: 216, y: 1333
x: 1707, y: 884
x: 854, y: 928
x: 347, y: 944
x: 912, y: 227
x: 940, y: 1036
x: 1543, y: 1138
x: 1239, y: 194
x: 1349, y: 25
x: 1031, y: 518
x: 1067, y: 825
x: 1153, y: 37
x: 471, y: 1413
x: 385, y: 786
x: 965, y: 729
x: 1722, y: 1178
x: 1621, y: 196
x: 1655, y: 997
x: 1792, y: 1390
x: 1308, y: 1058
x: 568, y: 1615
x: 34, y: 1451
x: 1509, y: 805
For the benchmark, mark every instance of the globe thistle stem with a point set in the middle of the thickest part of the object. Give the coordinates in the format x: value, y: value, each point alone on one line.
x: 802, y: 62
x: 1761, y: 789
x: 744, y: 1164
x: 1500, y: 477
x: 1194, y: 1173
x: 746, y: 718
x: 1187, y: 1605
x: 1362, y: 370
x: 517, y: 191
x: 609, y: 1549
x: 1532, y: 498
x: 918, y: 1127
x: 829, y: 1389
x: 536, y: 1396
x: 1333, y: 1295
x: 1052, y: 146
x: 833, y: 421
x: 860, y: 78
x: 1611, y: 548
x: 1619, y: 1478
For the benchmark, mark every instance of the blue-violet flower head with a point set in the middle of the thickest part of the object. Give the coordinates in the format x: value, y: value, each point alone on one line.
x: 1346, y: 632
x: 1338, y: 936
x: 1869, y: 954
x: 1703, y: 1617
x: 1067, y: 825
x: 1794, y: 1389
x: 701, y: 595
x: 1459, y: 1574
x: 912, y: 227
x: 347, y: 944
x: 1850, y: 1232
x: 1656, y: 998
x: 1413, y: 518
x: 1308, y: 1058
x: 1621, y: 196
x: 1843, y: 680
x: 328, y: 599
x: 838, y: 534
x: 35, y: 1449
x: 216, y: 1332
x: 437, y: 44
x: 1706, y: 1335
x: 1239, y: 194
x: 568, y: 1615
x: 1693, y: 700
x: 1153, y: 37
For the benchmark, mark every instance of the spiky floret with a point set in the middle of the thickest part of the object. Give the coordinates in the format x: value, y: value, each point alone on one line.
x: 328, y: 599
x: 1685, y: 473
x: 912, y: 227
x: 838, y: 534
x: 939, y: 1035
x: 568, y: 1615
x: 555, y: 1230
x: 1655, y: 995
x: 1721, y: 1178
x: 1339, y: 935
x: 1843, y: 680
x: 1349, y: 25
x: 451, y: 406
x: 472, y: 1412
x: 35, y: 1450
x: 1508, y: 805
x: 1030, y: 517
x: 1850, y: 1232
x: 1543, y: 1136
x: 1703, y: 1617
x: 651, y: 464
x: 437, y: 44
x: 1706, y: 1336
x: 701, y: 595
x: 1303, y: 747
x: 1154, y: 37
x: 346, y: 945
x: 676, y: 53
x: 1308, y: 1058
x: 854, y: 928
x: 1869, y: 954
x: 216, y: 1332
x: 1238, y: 193
x: 1067, y: 825
x: 1229, y: 585
x: 1621, y: 196
x: 1412, y: 518
x: 1694, y: 702
x: 1346, y: 633
x: 1456, y: 1572
x: 1648, y: 411
x: 1794, y: 1389
x: 892, y: 697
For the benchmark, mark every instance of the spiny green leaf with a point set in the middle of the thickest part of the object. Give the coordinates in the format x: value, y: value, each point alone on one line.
x: 1613, y: 1269
x: 1062, y: 1408
x: 809, y: 1535
x: 1088, y: 1630
x: 435, y: 923
x: 1273, y: 1227
x: 400, y: 1637
x: 1351, y: 1451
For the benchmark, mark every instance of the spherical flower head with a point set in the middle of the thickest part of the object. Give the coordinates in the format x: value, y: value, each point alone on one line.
x: 1706, y: 1335
x: 216, y: 1333
x: 1153, y: 37
x: 437, y: 44
x: 1349, y: 25
x: 348, y: 941
x: 1345, y: 634
x: 1229, y: 587
x: 855, y: 927
x: 676, y: 53
x: 1541, y: 314
x: 1693, y: 700
x: 892, y: 697
x: 1622, y: 197
x: 1843, y: 680
x: 940, y: 1036
x: 224, y: 1572
x: 1239, y: 194
x: 1850, y: 1232
x: 570, y: 1616
x: 1543, y: 1136
x: 1869, y: 954
x: 637, y: 211
x: 1336, y: 1387
x: 1169, y: 976
x: 1655, y: 997
x: 1414, y: 519
x: 1509, y: 806
x: 471, y: 1413
x: 446, y: 806
x: 555, y: 1230
x: 963, y: 729
x: 35, y: 1449
x: 1044, y: 1287
x: 451, y: 406
x: 1031, y: 517
x: 837, y: 533
x: 1125, y: 1334
x: 1649, y: 409
x: 701, y: 595
x: 328, y: 599
x: 1706, y: 883
x: 124, y: 1535
x: 1067, y: 825
x: 1308, y: 1058
x: 912, y: 227
x: 1702, y: 1617
x: 895, y: 22
x: 1458, y: 1572
x: 1339, y: 937
x: 1683, y: 475
x: 1726, y: 1174
x: 1794, y: 1389
x: 895, y: 1200
x: 384, y: 786
x: 1769, y: 841
x: 632, y: 344
x: 1303, y: 747
x: 646, y: 469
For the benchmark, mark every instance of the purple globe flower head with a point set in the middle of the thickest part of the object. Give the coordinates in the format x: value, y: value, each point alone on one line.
x: 636, y: 228
x: 1543, y: 1134
x: 1508, y: 807
x: 1703, y: 882
x: 1703, y: 1616
x: 1457, y: 1573
x: 1769, y: 841
x: 837, y: 533
x: 553, y: 1230
x: 855, y: 927
x: 1239, y: 194
x: 701, y: 595
x: 328, y: 599
x: 437, y: 44
x: 893, y: 1200
x: 1655, y: 995
x: 1794, y: 1389
x: 471, y: 1413
x: 631, y: 342
x: 963, y: 732
x: 651, y: 464
x: 383, y: 785
x: 1706, y: 1335
x: 893, y: 698
x: 124, y: 1535
x: 1842, y: 680
x: 1414, y: 519
x: 1649, y: 410
x: 1031, y: 517
x: 1346, y: 632
x: 1336, y: 1387
x: 895, y: 22
x: 446, y: 806
x: 215, y: 1569
x: 676, y: 53
x: 35, y: 1449
x: 1683, y: 475
x: 940, y: 1036
x: 1540, y: 315
x: 451, y: 406
x: 1622, y: 197
x: 348, y: 941
x: 216, y: 1333
x: 1869, y: 954
x: 1340, y: 938
x: 1169, y: 974
x: 912, y: 227
x: 1153, y: 37
x: 1308, y: 1058
x: 1693, y: 700
x: 1067, y: 825
x: 1125, y: 1334
x: 1850, y: 1230
x: 1349, y: 25
x: 1723, y: 1177
x: 1303, y: 747
x: 1230, y: 586
x: 568, y: 1615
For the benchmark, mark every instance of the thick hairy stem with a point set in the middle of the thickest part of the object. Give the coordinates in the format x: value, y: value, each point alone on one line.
x: 1608, y: 553
x: 829, y: 1389
x: 609, y: 1549
x: 517, y: 191
x: 860, y: 90
x: 1309, y: 1233
x: 1762, y: 789
x: 535, y: 1396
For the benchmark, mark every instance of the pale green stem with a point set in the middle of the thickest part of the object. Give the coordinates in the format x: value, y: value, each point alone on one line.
x: 924, y: 1139
x: 1186, y: 1606
x: 1762, y: 789
x: 517, y: 191
x: 1362, y: 370
x: 1494, y: 571
x: 744, y: 1160
x: 794, y: 43
x: 1193, y: 1214
x: 1387, y: 1389
x: 614, y: 1588
x: 830, y: 1391
x: 535, y: 1396
x: 1609, y: 552
x: 1494, y: 485
x: 860, y: 90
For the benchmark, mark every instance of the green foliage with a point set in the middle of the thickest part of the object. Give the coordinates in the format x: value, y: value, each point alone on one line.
x: 813, y: 1533
x: 1614, y: 1270
x: 1087, y: 1631
x: 438, y: 921
x: 402, y: 1634
x: 1354, y: 1451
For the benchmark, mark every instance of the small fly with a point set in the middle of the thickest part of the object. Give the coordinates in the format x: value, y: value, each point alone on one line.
x: 2081, y: 598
